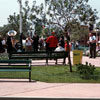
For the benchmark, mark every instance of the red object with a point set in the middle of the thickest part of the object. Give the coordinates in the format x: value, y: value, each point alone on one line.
x: 66, y: 46
x: 53, y: 33
x: 52, y: 40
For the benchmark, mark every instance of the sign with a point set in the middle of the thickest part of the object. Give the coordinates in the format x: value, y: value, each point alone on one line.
x: 77, y: 57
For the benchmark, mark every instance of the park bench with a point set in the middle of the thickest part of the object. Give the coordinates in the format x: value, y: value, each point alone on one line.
x: 15, y: 66
x: 40, y: 55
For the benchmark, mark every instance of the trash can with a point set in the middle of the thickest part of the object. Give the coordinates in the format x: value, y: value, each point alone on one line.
x: 77, y: 57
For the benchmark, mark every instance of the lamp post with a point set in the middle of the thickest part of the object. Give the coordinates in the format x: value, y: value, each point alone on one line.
x: 44, y: 13
x: 20, y: 24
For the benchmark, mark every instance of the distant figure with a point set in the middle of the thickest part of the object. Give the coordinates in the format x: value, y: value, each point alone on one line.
x: 52, y: 42
x: 35, y: 42
x: 1, y: 46
x: 92, y: 44
x: 4, y: 42
x: 73, y: 45
x: 41, y: 44
x: 46, y: 45
x: 28, y: 44
x: 9, y: 45
x: 61, y: 41
x: 59, y: 48
x: 66, y: 46
x: 18, y: 47
x: 77, y: 45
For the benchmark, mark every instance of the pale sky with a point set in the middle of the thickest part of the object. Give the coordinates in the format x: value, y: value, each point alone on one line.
x: 8, y: 7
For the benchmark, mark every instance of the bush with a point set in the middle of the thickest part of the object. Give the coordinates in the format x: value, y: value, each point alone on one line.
x: 86, y: 71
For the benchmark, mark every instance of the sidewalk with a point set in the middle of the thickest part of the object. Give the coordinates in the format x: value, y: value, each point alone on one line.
x: 93, y: 61
x: 85, y: 59
x: 23, y: 88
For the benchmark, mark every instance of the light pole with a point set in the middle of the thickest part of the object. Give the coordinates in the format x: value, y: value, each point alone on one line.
x: 44, y: 12
x: 20, y: 23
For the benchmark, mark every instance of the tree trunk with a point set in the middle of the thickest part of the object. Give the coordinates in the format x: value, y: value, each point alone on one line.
x: 69, y: 58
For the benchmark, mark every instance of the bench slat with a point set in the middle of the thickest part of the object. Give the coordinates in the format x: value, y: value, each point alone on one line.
x: 15, y: 61
x: 40, y: 55
x: 14, y: 66
x: 14, y: 70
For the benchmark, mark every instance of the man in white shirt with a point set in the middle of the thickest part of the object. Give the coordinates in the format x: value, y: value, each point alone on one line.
x: 92, y: 44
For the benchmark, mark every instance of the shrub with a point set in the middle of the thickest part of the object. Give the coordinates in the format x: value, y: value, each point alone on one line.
x: 86, y: 71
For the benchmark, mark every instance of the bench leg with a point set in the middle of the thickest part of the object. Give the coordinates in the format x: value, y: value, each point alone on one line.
x: 64, y: 61
x: 30, y: 76
x: 46, y: 61
x: 56, y: 61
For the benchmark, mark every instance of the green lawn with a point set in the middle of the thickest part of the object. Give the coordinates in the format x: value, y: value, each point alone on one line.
x: 54, y: 74
x: 61, y: 74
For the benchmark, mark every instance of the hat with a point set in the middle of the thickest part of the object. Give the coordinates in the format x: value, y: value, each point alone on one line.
x: 53, y: 33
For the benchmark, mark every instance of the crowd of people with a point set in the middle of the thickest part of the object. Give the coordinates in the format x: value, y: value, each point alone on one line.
x: 35, y: 43
x: 51, y: 43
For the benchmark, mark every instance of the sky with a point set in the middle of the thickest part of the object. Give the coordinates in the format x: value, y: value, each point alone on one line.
x: 8, y: 7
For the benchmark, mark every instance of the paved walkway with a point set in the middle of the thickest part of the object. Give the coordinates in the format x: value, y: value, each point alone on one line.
x: 95, y: 61
x: 85, y: 59
x: 23, y: 88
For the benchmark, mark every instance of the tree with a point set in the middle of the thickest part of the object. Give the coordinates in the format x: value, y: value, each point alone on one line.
x: 14, y: 19
x: 37, y: 17
x: 68, y: 13
x: 31, y: 16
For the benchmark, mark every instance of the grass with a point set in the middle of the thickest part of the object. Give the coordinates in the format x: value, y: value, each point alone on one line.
x: 61, y: 74
x: 53, y: 74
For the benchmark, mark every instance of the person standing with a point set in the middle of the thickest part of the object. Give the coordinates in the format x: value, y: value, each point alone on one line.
x: 9, y: 45
x: 1, y: 46
x: 52, y: 42
x: 35, y: 42
x: 28, y: 44
x: 61, y: 41
x: 66, y: 46
x: 92, y: 44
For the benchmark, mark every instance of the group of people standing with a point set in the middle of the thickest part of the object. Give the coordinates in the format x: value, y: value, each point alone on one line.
x: 31, y: 44
x: 51, y: 43
x: 57, y: 44
x: 6, y: 44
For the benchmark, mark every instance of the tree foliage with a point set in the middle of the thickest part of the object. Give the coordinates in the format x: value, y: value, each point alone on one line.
x: 33, y: 18
x: 67, y: 14
x: 59, y: 15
